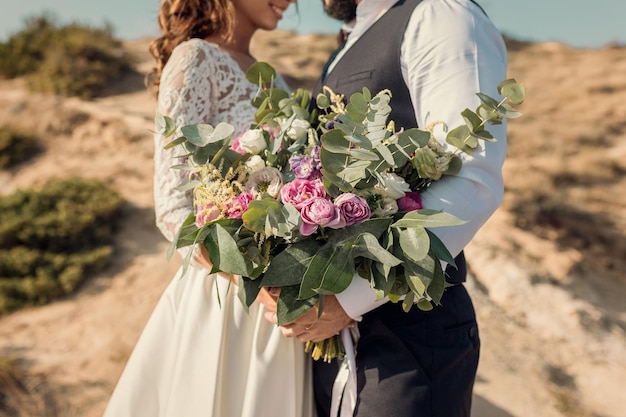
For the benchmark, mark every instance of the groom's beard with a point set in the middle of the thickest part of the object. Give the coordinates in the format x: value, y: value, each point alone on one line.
x: 344, y: 10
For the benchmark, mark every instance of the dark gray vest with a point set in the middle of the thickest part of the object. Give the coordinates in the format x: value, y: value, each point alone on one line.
x: 374, y: 62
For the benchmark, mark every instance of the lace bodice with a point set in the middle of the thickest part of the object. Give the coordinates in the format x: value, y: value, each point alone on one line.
x: 199, y: 84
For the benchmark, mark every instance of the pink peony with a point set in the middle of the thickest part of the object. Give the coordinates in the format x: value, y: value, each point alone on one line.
x: 411, y: 201
x: 353, y: 209
x: 318, y: 211
x: 239, y: 205
x: 206, y: 213
x: 299, y: 191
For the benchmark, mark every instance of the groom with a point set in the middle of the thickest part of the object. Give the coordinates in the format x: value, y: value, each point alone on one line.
x: 434, y: 56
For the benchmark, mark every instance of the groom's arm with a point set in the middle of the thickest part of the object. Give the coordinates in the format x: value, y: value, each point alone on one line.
x: 444, y: 67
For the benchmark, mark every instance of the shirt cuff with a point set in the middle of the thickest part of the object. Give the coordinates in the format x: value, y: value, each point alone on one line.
x: 359, y: 298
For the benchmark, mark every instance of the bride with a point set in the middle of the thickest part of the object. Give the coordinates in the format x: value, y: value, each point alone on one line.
x: 197, y: 356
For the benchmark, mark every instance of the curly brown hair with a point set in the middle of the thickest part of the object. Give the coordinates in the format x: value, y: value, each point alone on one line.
x: 181, y: 20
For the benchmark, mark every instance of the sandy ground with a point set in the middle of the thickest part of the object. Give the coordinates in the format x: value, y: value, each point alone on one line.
x: 552, y: 318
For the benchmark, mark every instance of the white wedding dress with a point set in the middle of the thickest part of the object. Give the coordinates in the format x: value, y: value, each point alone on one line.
x: 201, y: 354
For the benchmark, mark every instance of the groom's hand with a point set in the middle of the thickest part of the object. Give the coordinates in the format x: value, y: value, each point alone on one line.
x: 311, y: 328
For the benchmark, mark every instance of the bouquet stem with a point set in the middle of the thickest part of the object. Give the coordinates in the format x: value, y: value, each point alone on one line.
x: 327, y: 349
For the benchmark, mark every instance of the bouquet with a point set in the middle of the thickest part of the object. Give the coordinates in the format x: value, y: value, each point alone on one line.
x: 310, y: 200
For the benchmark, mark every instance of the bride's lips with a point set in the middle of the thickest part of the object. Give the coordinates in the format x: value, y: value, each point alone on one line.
x: 278, y: 10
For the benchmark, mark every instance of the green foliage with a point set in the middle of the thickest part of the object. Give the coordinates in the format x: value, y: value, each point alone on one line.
x: 52, y: 238
x: 70, y: 60
x: 15, y: 147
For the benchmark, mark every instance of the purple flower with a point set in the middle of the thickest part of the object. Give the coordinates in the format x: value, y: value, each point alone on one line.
x: 319, y: 211
x: 302, y: 166
x: 306, y: 167
x: 352, y: 208
x: 299, y: 191
x: 411, y: 201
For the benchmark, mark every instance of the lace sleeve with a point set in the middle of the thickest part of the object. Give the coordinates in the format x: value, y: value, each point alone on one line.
x: 198, y: 85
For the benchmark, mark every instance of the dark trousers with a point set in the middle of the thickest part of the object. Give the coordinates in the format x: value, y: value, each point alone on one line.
x: 416, y: 364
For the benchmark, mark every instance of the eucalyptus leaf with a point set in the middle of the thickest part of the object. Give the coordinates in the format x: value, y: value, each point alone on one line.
x: 339, y: 273
x: 383, y: 278
x: 256, y: 216
x: 367, y: 246
x: 428, y: 218
x: 289, y: 266
x: 190, y: 220
x: 322, y: 101
x: 437, y: 285
x: 407, y: 303
x: 175, y: 142
x: 376, y: 227
x: 335, y: 142
x: 514, y: 91
x: 489, y: 114
x: 363, y: 155
x: 414, y: 242
x: 261, y: 73
x: 458, y: 136
x: 289, y: 307
x: 472, y: 120
x: 248, y: 291
x: 424, y: 305
x: 199, y: 135
x: 454, y: 166
x: 320, y: 263
x: 188, y: 186
x: 386, y: 154
x: 357, y: 107
x: 164, y: 125
x: 223, y: 251
x: 439, y: 249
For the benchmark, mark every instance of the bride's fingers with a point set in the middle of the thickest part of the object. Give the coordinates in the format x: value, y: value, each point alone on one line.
x: 271, y: 317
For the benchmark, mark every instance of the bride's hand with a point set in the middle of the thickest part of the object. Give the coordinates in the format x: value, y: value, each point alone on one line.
x: 268, y: 297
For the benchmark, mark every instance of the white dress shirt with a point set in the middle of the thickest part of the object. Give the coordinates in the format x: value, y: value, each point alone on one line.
x: 450, y: 52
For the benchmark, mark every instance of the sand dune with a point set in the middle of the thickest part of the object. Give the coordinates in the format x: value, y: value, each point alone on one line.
x: 547, y: 271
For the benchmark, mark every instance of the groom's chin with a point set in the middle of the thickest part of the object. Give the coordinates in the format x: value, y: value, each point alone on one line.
x: 344, y: 10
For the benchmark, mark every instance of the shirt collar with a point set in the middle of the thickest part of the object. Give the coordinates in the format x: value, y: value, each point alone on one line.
x: 367, y: 13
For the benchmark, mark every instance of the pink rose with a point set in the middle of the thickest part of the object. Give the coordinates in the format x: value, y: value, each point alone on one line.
x: 239, y: 205
x: 352, y: 208
x: 318, y: 211
x: 299, y: 191
x: 411, y: 201
x: 206, y: 213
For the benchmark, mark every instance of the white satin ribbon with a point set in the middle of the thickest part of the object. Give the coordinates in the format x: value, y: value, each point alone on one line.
x: 344, y: 388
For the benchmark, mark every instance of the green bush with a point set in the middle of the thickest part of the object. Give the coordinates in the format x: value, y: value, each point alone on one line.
x: 23, y: 52
x: 70, y: 60
x: 15, y: 147
x: 52, y: 238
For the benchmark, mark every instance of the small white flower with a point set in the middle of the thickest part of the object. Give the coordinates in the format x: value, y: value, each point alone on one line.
x: 255, y: 164
x: 253, y: 141
x: 395, y: 187
x: 297, y: 129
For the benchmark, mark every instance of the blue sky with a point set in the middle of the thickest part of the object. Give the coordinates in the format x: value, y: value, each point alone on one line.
x: 584, y: 24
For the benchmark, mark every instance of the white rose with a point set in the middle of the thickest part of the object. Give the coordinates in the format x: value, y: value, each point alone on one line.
x: 395, y: 186
x: 389, y: 207
x: 298, y: 128
x: 255, y: 164
x: 253, y: 141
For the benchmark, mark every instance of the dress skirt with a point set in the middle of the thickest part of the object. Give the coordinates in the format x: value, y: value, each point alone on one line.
x: 202, y: 354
